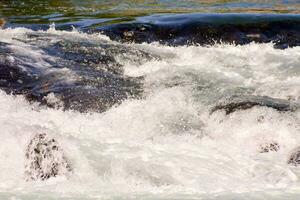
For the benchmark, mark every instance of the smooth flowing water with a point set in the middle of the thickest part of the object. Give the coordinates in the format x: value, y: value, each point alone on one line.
x: 185, y: 106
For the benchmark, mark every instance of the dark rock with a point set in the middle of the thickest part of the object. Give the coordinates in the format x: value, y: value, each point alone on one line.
x: 208, y: 29
x: 45, y: 159
x: 95, y: 81
x: 246, y: 102
x: 294, y: 158
x: 265, y: 148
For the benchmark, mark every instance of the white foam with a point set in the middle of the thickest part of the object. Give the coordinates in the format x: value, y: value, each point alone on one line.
x: 167, y: 144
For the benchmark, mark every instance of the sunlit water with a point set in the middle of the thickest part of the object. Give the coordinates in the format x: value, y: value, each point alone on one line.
x: 91, y: 13
x: 166, y: 144
x: 140, y: 122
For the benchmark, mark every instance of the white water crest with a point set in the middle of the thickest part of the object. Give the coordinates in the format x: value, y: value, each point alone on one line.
x: 167, y: 144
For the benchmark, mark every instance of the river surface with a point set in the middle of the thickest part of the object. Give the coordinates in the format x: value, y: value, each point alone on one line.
x: 150, y: 100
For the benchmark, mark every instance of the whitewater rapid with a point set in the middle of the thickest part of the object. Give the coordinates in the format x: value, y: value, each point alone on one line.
x: 165, y: 144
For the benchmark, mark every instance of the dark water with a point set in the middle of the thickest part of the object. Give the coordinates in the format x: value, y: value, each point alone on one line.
x: 150, y: 21
x: 208, y: 29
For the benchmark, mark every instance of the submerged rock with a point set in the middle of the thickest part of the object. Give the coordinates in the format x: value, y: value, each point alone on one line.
x: 294, y: 158
x: 45, y: 159
x: 82, y: 75
x: 236, y: 103
x: 265, y: 148
x: 208, y: 29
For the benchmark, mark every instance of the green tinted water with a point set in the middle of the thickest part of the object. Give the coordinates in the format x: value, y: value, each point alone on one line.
x: 58, y: 11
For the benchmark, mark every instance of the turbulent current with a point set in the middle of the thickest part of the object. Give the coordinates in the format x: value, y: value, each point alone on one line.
x: 119, y: 120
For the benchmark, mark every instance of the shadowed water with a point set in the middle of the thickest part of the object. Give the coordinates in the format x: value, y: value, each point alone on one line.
x: 208, y: 29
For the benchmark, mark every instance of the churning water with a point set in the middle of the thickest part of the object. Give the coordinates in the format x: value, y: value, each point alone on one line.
x: 150, y: 120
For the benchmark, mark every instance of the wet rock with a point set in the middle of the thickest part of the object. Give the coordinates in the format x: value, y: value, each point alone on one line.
x: 95, y: 55
x: 45, y: 159
x: 294, y: 158
x: 267, y: 147
x: 208, y: 29
x: 236, y: 103
x: 85, y: 76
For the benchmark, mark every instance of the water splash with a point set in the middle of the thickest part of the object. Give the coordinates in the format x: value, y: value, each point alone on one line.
x: 165, y: 144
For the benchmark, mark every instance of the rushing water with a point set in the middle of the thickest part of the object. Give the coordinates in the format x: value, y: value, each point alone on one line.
x: 185, y: 106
